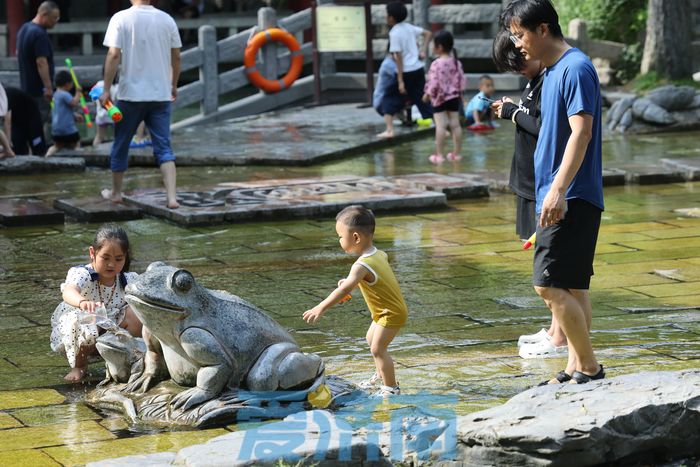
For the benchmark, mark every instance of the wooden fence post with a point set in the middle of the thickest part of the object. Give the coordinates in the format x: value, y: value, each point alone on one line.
x: 209, y: 70
x: 267, y: 18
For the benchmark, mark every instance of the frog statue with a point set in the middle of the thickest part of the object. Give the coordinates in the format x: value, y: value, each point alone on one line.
x: 215, y: 345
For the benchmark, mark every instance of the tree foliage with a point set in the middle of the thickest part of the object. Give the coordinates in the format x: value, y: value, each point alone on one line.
x: 612, y: 20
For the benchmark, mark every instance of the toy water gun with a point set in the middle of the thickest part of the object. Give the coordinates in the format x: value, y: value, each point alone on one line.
x: 530, y: 241
x: 112, y: 110
x: 83, y: 104
x: 346, y: 298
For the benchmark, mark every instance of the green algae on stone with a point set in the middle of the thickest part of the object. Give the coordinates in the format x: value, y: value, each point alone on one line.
x: 29, y: 398
x: 27, y: 458
x: 55, y: 414
x: 53, y: 435
x: 8, y: 421
x: 78, y: 454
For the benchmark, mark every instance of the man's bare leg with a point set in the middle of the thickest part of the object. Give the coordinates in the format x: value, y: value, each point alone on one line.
x: 115, y: 194
x: 170, y: 180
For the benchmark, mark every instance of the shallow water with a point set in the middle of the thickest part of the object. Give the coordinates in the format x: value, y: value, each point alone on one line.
x: 462, y: 270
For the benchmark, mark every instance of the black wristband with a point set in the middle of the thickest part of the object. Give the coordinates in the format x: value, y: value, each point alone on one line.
x: 507, y: 110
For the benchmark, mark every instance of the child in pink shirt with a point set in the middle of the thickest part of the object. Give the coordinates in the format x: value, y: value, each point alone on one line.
x: 444, y: 89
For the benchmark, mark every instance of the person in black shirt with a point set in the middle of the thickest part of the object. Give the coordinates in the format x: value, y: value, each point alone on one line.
x: 35, y: 56
x: 25, y: 123
x: 527, y: 118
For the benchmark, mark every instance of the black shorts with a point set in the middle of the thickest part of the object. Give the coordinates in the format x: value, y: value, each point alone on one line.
x: 66, y: 139
x: 525, y: 218
x: 448, y: 106
x: 564, y: 252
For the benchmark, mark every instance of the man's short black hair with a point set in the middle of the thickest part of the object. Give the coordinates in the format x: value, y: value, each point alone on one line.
x: 483, y: 78
x: 531, y: 13
x: 397, y: 10
x: 505, y: 55
x: 63, y: 78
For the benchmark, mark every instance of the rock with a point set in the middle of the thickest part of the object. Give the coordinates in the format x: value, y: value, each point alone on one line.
x: 618, y: 110
x: 672, y: 97
x: 696, y: 102
x: 648, y: 111
x: 630, y: 418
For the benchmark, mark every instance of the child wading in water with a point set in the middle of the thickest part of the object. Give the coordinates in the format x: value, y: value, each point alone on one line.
x: 380, y: 289
x: 444, y: 90
x: 88, y: 288
x: 63, y: 130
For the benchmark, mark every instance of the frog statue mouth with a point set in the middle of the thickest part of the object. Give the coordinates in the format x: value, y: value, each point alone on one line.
x: 138, y: 303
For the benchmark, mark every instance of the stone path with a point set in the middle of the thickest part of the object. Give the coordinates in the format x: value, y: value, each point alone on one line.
x: 25, y: 165
x: 274, y: 138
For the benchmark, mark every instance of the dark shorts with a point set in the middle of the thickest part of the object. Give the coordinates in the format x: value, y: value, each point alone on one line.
x: 66, y: 139
x: 448, y: 106
x: 564, y: 252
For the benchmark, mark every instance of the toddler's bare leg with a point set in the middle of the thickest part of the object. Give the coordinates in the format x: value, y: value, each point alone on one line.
x: 381, y: 339
x: 131, y: 323
x: 441, y: 123
x: 78, y: 372
x: 456, y: 130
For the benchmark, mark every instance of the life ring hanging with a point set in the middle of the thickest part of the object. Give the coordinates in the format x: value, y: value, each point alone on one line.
x: 251, y: 51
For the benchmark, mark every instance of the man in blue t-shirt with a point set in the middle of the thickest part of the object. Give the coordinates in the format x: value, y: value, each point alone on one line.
x: 35, y: 56
x: 568, y: 178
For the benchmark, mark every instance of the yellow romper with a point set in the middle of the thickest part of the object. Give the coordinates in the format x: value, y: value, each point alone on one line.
x: 383, y: 296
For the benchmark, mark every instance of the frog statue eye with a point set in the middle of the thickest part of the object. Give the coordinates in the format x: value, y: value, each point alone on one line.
x: 182, y: 281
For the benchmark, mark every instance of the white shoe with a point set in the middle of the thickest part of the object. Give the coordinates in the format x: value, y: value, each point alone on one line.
x: 387, y: 391
x: 532, y: 338
x: 371, y: 382
x: 543, y: 349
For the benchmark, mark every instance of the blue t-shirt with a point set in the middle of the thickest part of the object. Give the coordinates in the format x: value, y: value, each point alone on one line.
x: 570, y: 87
x: 477, y: 103
x: 33, y: 41
x: 62, y: 118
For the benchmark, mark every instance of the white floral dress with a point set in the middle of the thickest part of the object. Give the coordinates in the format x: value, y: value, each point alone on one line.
x: 68, y: 334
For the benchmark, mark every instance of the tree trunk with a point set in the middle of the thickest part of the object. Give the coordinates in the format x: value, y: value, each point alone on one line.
x: 667, y: 49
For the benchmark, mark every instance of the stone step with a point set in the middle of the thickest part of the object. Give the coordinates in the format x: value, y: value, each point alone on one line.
x: 305, y: 198
x: 458, y: 186
x: 688, y: 166
x: 97, y: 210
x: 646, y: 174
x: 19, y: 212
x: 25, y: 165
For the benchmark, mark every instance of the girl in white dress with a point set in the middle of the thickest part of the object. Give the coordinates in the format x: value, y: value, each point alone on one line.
x: 86, y: 290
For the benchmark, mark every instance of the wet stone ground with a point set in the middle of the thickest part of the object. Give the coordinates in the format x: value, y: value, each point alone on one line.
x: 462, y: 270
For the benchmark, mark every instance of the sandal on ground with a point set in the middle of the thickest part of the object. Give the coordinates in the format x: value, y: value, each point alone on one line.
x: 436, y: 159
x: 543, y: 349
x: 532, y: 338
x: 562, y: 377
x: 582, y: 378
x: 370, y: 383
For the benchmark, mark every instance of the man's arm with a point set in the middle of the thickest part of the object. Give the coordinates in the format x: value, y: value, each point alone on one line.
x: 427, y: 35
x: 42, y: 66
x: 114, y: 56
x: 176, y: 65
x: 554, y: 205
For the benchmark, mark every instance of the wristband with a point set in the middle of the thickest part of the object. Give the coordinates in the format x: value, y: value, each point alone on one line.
x: 514, y: 114
x: 507, y: 110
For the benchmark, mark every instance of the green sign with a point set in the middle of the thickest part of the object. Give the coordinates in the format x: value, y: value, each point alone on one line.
x: 341, y: 29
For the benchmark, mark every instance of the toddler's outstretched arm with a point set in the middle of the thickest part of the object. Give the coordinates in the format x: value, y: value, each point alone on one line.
x: 357, y: 273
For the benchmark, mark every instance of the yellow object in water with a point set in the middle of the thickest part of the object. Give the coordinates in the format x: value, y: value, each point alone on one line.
x: 321, y: 397
x: 424, y: 121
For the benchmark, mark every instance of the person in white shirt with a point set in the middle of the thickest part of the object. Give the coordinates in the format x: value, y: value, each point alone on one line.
x: 147, y: 43
x: 403, y: 46
x: 5, y: 146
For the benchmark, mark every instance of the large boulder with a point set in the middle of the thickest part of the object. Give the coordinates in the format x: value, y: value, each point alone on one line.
x: 645, y: 109
x: 672, y: 97
x: 625, y: 419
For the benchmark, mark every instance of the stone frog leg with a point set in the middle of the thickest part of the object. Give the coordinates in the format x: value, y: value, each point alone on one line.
x: 283, y: 366
x: 217, y: 368
x: 154, y: 368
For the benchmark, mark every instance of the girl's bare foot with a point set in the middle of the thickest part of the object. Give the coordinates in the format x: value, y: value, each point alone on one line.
x: 173, y: 205
x: 386, y: 134
x: 75, y: 375
x: 107, y: 194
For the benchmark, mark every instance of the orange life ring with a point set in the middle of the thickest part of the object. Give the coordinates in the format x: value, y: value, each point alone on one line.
x: 251, y: 51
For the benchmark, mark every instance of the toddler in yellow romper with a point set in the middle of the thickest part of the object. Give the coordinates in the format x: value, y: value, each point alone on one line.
x: 380, y: 289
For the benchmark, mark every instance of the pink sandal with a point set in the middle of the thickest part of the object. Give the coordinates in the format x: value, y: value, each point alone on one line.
x: 453, y: 157
x: 436, y: 159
